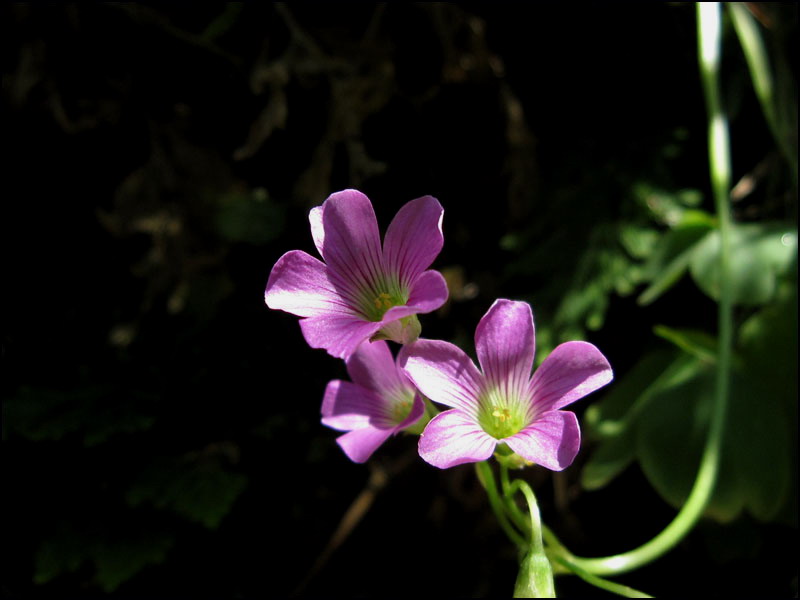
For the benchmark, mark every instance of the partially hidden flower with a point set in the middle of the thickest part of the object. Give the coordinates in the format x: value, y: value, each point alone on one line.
x: 362, y: 290
x: 502, y: 403
x: 378, y: 403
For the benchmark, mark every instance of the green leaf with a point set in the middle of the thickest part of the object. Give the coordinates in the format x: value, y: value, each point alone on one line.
x: 62, y: 553
x: 117, y: 555
x: 195, y: 487
x: 250, y: 217
x: 760, y: 253
x: 607, y: 417
x: 658, y: 415
x: 93, y: 412
x: 608, y: 460
x: 754, y: 471
x: 756, y: 444
x: 665, y: 206
x: 673, y: 254
x: 117, y: 563
x: 670, y: 437
x: 768, y: 345
x: 610, y: 420
x: 638, y: 241
x: 696, y: 343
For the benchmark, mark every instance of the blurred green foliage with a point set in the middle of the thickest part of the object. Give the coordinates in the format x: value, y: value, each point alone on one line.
x: 161, y: 426
x: 658, y: 414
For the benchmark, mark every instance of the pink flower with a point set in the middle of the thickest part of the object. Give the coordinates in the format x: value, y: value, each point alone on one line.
x: 376, y: 405
x: 362, y: 291
x: 503, y: 403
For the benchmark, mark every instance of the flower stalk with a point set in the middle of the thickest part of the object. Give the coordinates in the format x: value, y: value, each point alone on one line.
x: 709, y: 38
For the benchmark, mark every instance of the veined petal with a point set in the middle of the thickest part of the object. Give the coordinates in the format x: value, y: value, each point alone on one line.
x: 573, y: 370
x: 340, y: 335
x: 350, y: 241
x: 299, y: 284
x: 359, y: 444
x: 414, y: 238
x: 428, y: 292
x: 373, y: 366
x: 442, y: 372
x: 453, y: 438
x: 347, y: 406
x: 397, y: 312
x: 417, y: 409
x: 317, y: 230
x: 504, y: 342
x: 553, y: 440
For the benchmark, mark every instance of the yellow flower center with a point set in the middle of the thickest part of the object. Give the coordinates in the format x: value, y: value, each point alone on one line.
x: 384, y: 302
x: 500, y: 415
x: 377, y: 303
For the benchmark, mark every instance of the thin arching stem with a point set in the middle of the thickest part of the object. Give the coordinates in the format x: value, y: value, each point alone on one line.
x: 709, y: 35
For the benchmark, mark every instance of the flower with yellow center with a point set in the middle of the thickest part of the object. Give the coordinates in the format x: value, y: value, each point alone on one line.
x: 364, y: 290
x: 502, y: 403
x: 378, y: 403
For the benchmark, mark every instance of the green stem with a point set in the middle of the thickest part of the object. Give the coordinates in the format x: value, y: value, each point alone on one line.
x: 538, y: 531
x: 603, y: 584
x: 535, y: 577
x: 519, y: 518
x: 486, y: 477
x: 535, y: 526
x: 709, y: 34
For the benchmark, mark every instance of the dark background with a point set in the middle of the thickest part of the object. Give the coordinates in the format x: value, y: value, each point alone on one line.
x: 161, y: 431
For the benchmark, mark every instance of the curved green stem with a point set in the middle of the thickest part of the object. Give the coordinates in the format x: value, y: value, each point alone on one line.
x: 519, y: 518
x: 603, y: 584
x: 709, y: 34
x: 486, y: 477
x: 535, y: 526
x: 557, y: 554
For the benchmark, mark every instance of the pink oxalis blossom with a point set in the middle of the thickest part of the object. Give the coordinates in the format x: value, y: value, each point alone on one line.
x: 378, y: 403
x: 363, y: 290
x: 502, y: 403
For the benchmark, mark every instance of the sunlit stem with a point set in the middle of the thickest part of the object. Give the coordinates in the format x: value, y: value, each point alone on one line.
x: 603, y: 584
x: 535, y: 578
x: 486, y: 477
x: 556, y: 553
x: 709, y: 34
x: 535, y: 526
x: 513, y: 510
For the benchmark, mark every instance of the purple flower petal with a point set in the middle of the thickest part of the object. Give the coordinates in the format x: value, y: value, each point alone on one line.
x: 358, y: 290
x: 374, y: 368
x: 553, y: 440
x: 453, y: 438
x: 347, y: 406
x: 417, y: 409
x: 504, y: 342
x: 359, y: 444
x: 442, y: 372
x: 414, y: 238
x: 351, y: 244
x: 340, y: 335
x: 317, y: 229
x: 573, y: 370
x: 299, y: 285
x: 428, y: 293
